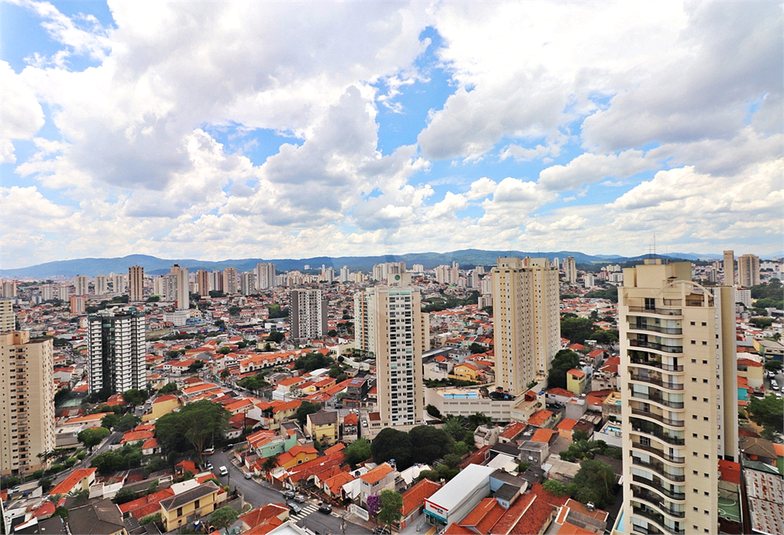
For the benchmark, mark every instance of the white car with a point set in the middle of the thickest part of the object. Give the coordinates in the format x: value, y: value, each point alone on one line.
x: 223, y: 471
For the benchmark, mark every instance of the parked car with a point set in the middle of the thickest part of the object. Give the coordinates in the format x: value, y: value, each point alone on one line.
x: 227, y: 447
x: 223, y: 471
x: 299, y: 498
x: 208, y: 466
x: 289, y: 494
x: 325, y: 508
x: 381, y: 531
x: 294, y: 508
x: 248, y: 475
x: 209, y: 451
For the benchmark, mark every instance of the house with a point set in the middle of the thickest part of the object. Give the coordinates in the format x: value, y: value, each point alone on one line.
x: 323, y: 426
x: 296, y: 455
x: 78, y: 480
x: 575, y: 381
x: 265, y: 518
x: 414, y: 501
x: 566, y: 427
x: 382, y: 477
x: 467, y: 371
x: 486, y: 436
x: 752, y: 370
x: 535, y: 453
x: 197, y: 502
x: 349, y: 431
x: 101, y: 517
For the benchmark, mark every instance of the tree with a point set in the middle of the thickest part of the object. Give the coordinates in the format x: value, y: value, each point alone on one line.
x: 761, y: 323
x: 224, y: 373
x: 577, y: 330
x: 168, y: 388
x: 429, y: 443
x: 564, y: 360
x: 595, y: 482
x: 109, y: 421
x: 92, y: 437
x: 391, y: 507
x: 773, y: 365
x: 224, y: 350
x: 254, y: 382
x: 195, y: 366
x: 195, y: 425
x: 433, y: 411
x: 276, y: 336
x: 454, y: 427
x: 124, y: 495
x: 476, y: 348
x: 127, y: 422
x: 358, y: 451
x: 373, y: 503
x: 555, y: 487
x: 769, y: 413
x: 224, y: 517
x: 392, y: 444
x: 579, y: 435
x: 135, y: 396
x: 108, y: 462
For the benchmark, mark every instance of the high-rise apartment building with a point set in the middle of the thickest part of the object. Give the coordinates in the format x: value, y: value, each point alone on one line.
x: 390, y: 323
x: 100, y: 285
x: 729, y: 268
x: 345, y: 274
x: 119, y: 283
x: 81, y: 285
x: 203, y: 283
x: 135, y: 283
x: 678, y: 383
x: 7, y: 318
x: 748, y: 270
x: 181, y: 282
x: 308, y: 314
x: 247, y: 283
x: 62, y: 292
x: 26, y: 402
x: 47, y: 292
x: 216, y: 281
x: 9, y: 289
x: 231, y: 282
x: 116, y: 352
x: 265, y: 275
x: 526, y: 320
x: 570, y: 270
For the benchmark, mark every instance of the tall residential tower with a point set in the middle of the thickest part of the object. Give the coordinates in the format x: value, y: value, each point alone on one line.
x: 308, y: 314
x: 679, y: 409
x: 116, y: 352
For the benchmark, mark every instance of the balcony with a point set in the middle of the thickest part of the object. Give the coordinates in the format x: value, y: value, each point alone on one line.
x: 658, y: 468
x: 657, y: 382
x: 641, y: 426
x: 658, y: 418
x: 659, y: 311
x: 655, y: 328
x: 656, y: 398
x: 656, y: 517
x: 657, y: 347
x: 660, y: 488
x: 654, y: 500
x: 640, y: 359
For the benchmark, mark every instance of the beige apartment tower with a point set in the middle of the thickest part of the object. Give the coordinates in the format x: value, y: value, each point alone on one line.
x: 526, y: 320
x: 678, y: 384
x: 392, y: 316
x: 729, y: 268
x: 748, y: 270
x: 570, y: 270
x: 135, y: 283
x: 203, y: 283
x: 26, y: 402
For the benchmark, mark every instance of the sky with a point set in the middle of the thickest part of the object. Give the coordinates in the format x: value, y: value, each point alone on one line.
x: 217, y: 130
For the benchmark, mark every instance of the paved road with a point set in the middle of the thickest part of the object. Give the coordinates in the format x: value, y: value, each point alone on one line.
x: 257, y: 495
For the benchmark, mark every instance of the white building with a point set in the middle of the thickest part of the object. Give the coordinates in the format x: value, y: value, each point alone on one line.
x: 265, y: 275
x: 116, y: 352
x: 308, y: 314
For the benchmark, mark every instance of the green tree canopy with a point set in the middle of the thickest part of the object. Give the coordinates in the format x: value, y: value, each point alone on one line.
x: 454, y: 427
x: 769, y: 413
x: 224, y: 350
x: 564, y: 360
x: 313, y: 361
x: 195, y: 366
x: 135, y: 396
x: 127, y: 422
x: 254, y: 382
x: 109, y: 421
x: 358, y: 451
x: 168, y: 388
x: 429, y: 443
x: 224, y: 517
x: 196, y: 425
x: 92, y: 437
x: 577, y: 330
x: 276, y: 336
x: 595, y: 482
x: 392, y: 444
x: 391, y: 510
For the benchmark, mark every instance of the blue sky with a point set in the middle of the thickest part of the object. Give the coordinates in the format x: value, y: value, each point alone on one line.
x: 227, y: 130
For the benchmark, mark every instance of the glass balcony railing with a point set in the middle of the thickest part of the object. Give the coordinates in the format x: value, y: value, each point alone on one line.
x: 656, y: 381
x: 658, y: 418
x: 658, y: 347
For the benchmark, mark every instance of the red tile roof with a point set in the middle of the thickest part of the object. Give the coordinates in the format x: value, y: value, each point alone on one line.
x: 377, y: 474
x: 514, y: 429
x: 540, y: 417
x: 416, y: 495
x: 576, y: 373
x: 543, y: 435
x: 67, y: 484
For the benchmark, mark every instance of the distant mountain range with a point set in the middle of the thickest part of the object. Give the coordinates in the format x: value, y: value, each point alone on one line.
x: 158, y: 266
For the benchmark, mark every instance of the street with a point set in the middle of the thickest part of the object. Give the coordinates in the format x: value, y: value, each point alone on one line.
x: 256, y: 494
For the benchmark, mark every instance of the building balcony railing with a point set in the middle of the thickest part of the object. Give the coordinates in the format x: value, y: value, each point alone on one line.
x: 659, y: 311
x: 657, y: 347
x: 655, y: 328
x: 658, y: 382
x: 656, y: 517
x: 660, y: 488
x: 639, y: 426
x: 637, y: 359
x: 654, y: 500
x: 658, y: 468
x: 658, y: 418
x: 657, y: 398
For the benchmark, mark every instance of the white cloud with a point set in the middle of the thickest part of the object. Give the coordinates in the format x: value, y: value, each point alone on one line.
x: 22, y: 114
x: 588, y: 168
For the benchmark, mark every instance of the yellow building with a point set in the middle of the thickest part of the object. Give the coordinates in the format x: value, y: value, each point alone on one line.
x: 296, y: 455
x: 162, y: 406
x: 191, y: 504
x: 466, y: 372
x: 752, y: 370
x: 575, y: 381
x: 26, y: 402
x: 323, y: 426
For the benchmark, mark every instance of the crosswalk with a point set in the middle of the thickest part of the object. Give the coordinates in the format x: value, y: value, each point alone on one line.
x: 307, y: 509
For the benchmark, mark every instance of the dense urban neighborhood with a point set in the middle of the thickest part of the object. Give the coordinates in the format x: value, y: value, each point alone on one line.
x: 537, y: 395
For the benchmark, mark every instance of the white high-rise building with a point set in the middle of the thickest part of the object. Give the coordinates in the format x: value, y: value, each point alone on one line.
x: 100, y: 285
x: 178, y: 287
x: 729, y: 268
x: 328, y: 275
x: 62, y: 292
x: 81, y: 285
x: 216, y: 281
x: 26, y: 402
x: 345, y: 274
x: 570, y: 270
x: 119, y: 283
x: 265, y: 275
x: 47, y: 292
x: 248, y: 283
x: 116, y: 352
x: 389, y: 322
x: 7, y: 317
x: 679, y: 410
x: 308, y: 314
x: 526, y: 320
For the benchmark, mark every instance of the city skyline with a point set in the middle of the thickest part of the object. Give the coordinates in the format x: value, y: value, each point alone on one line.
x: 204, y: 131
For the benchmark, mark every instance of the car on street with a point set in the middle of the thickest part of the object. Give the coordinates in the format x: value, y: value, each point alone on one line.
x: 381, y: 531
x: 208, y: 465
x: 294, y: 508
x: 325, y: 508
x: 289, y: 494
x: 248, y: 475
x: 223, y: 471
x: 299, y: 498
x: 227, y: 447
x: 209, y: 451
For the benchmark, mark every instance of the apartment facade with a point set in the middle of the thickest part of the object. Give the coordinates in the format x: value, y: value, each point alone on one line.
x: 203, y: 283
x: 570, y: 269
x: 526, y: 320
x: 679, y: 398
x: 116, y: 352
x: 729, y: 268
x: 308, y: 314
x: 135, y: 283
x: 265, y: 275
x: 748, y: 270
x: 26, y: 402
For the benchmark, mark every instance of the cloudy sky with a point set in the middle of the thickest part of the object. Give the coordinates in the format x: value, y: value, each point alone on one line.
x: 217, y: 130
